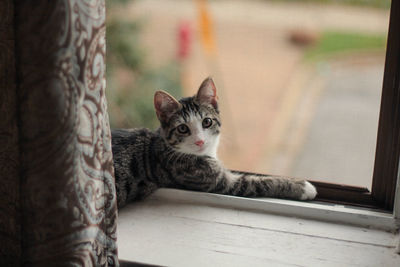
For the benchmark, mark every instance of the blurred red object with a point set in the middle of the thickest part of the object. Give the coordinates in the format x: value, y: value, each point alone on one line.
x: 184, y: 39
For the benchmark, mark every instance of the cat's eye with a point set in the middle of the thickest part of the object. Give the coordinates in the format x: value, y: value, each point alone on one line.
x: 207, y: 122
x: 183, y: 129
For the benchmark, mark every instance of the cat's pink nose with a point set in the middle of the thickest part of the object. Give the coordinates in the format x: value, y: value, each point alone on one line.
x: 199, y: 143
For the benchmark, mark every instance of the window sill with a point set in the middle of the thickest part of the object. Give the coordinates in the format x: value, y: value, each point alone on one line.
x: 319, y: 211
x: 183, y: 228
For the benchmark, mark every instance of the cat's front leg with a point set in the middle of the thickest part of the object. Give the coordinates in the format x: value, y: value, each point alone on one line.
x: 257, y: 185
x: 207, y: 174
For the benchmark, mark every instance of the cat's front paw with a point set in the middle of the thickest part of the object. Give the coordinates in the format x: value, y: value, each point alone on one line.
x: 310, y: 192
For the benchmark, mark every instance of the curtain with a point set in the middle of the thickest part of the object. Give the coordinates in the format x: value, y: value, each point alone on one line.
x: 57, y: 192
x: 10, y: 225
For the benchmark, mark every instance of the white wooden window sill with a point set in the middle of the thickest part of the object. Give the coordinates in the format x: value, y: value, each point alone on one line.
x: 183, y: 228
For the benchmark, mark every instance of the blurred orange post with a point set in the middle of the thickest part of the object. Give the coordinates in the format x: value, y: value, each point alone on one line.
x: 208, y: 43
x: 206, y: 28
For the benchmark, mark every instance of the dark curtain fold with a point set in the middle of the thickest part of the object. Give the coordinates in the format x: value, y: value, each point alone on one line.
x: 10, y: 224
x: 58, y: 204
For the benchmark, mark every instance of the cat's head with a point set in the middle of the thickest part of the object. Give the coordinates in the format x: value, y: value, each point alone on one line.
x: 190, y: 125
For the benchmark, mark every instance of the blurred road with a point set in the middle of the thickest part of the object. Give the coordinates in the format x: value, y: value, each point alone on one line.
x: 332, y: 135
x: 342, y: 135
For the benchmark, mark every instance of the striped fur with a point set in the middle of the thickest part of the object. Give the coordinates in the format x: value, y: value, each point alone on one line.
x: 145, y: 160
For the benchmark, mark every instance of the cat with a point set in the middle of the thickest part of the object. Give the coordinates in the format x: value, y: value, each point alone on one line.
x: 182, y: 154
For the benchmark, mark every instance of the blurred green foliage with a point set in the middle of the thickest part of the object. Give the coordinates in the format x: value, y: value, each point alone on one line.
x: 332, y: 43
x: 131, y: 82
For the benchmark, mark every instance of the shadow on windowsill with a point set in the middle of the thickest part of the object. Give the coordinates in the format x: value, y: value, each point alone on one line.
x: 123, y: 263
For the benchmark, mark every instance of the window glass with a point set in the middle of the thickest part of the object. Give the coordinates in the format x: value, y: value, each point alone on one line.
x: 299, y: 82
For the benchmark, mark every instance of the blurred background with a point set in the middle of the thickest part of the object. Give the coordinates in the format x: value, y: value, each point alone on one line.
x: 299, y: 81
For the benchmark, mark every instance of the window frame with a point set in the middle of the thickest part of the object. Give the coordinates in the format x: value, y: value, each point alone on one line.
x: 386, y: 166
x: 383, y: 195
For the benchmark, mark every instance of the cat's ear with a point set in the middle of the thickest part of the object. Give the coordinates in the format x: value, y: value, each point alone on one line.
x: 165, y: 105
x: 207, y: 93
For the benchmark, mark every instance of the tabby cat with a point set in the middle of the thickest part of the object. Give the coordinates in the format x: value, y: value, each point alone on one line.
x: 182, y: 153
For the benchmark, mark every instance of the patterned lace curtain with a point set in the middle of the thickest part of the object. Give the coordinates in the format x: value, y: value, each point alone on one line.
x: 57, y: 194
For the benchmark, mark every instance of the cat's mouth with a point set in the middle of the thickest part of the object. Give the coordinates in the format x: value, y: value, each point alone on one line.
x: 200, y: 150
x: 195, y: 149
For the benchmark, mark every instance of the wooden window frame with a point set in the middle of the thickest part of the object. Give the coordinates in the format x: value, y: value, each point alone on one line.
x: 387, y: 152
